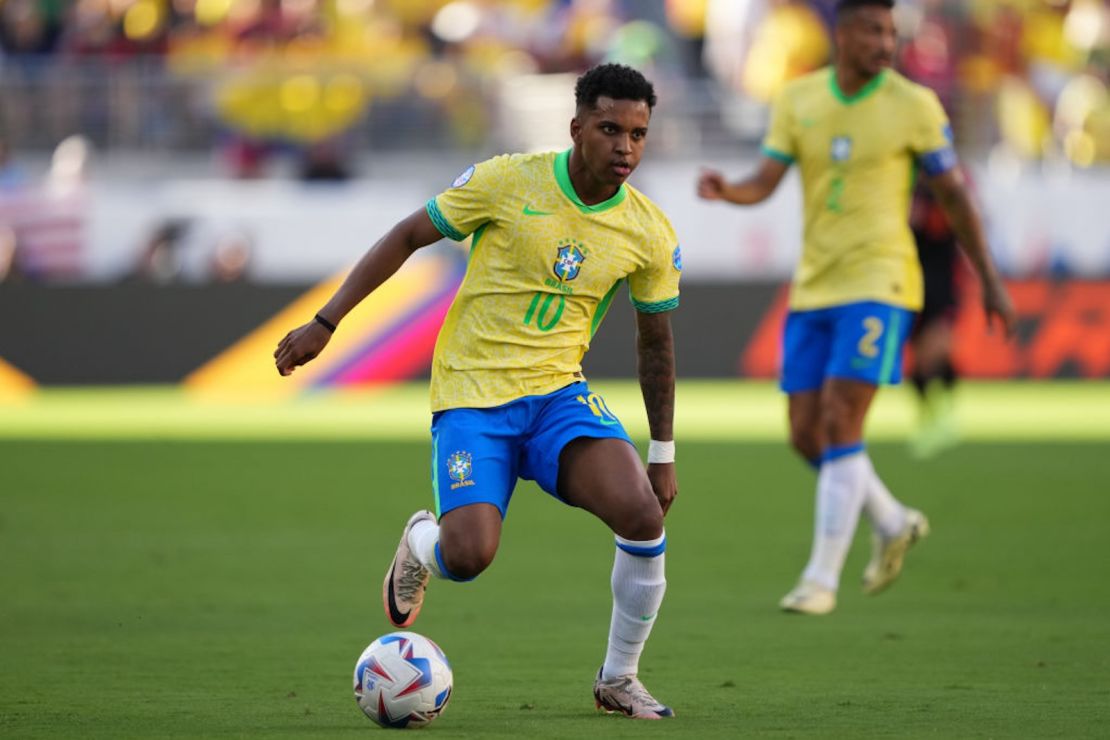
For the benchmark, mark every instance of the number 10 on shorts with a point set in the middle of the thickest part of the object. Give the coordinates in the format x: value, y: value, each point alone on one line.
x: 597, y: 405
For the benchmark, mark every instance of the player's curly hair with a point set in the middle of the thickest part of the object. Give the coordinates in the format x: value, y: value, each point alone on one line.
x: 846, y: 5
x: 614, y: 81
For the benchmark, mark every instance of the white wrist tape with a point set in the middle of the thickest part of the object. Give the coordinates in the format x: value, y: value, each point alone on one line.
x: 660, y: 452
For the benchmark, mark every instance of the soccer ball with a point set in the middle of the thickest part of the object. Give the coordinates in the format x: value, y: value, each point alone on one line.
x: 403, y: 680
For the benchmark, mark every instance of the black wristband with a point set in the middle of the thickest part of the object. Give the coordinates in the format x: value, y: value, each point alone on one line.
x: 325, y: 323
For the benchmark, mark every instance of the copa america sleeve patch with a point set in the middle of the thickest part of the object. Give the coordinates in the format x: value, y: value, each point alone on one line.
x: 938, y: 162
x: 676, y: 258
x: 464, y: 178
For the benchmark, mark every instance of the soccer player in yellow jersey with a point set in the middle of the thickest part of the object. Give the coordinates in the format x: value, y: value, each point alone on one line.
x: 858, y: 131
x: 553, y: 236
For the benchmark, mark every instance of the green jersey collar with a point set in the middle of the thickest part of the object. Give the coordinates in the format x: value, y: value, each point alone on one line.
x: 871, y: 86
x: 562, y: 176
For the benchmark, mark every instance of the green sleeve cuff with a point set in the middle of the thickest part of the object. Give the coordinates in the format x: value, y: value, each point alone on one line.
x: 776, y: 154
x: 441, y: 223
x: 657, y: 307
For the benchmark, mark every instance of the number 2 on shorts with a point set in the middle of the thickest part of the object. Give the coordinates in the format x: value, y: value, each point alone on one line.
x: 872, y: 330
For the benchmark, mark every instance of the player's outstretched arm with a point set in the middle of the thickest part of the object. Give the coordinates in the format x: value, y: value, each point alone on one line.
x: 756, y: 188
x: 379, y: 263
x: 951, y: 193
x: 655, y: 365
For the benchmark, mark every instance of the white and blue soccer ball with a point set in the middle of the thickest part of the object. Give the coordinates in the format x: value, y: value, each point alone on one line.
x: 403, y: 680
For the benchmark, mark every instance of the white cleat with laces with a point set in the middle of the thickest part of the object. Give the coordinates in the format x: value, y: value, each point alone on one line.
x: 809, y: 598
x: 406, y: 579
x: 626, y: 695
x: 887, y: 555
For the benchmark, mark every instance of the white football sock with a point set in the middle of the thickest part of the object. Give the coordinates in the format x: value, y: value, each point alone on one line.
x: 841, y: 487
x: 638, y: 584
x: 423, y: 538
x: 886, y: 514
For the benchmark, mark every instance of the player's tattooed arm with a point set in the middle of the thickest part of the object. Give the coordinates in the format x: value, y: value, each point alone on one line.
x: 656, y: 368
x: 655, y: 363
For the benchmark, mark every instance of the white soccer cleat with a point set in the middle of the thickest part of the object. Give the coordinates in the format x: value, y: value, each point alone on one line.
x: 887, y: 555
x: 626, y: 695
x: 406, y: 579
x: 809, y: 598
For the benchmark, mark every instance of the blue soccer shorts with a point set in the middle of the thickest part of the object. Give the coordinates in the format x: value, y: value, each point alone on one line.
x: 478, y: 454
x: 855, y: 341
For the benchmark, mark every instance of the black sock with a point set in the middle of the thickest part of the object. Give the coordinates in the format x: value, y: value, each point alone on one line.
x: 948, y: 374
x: 920, y: 381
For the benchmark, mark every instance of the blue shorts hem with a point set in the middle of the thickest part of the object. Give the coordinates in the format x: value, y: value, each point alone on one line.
x: 479, y: 454
x: 550, y: 484
x: 856, y: 341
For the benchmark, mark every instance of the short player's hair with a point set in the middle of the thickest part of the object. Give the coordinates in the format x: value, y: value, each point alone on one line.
x: 614, y: 81
x: 844, y: 7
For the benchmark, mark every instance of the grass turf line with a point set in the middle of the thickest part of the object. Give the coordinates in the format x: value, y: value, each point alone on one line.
x: 705, y: 410
x: 185, y: 589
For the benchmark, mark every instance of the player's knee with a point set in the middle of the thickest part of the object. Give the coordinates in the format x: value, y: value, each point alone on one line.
x: 840, y: 429
x: 641, y: 523
x: 806, y: 441
x: 468, y: 560
x: 841, y: 421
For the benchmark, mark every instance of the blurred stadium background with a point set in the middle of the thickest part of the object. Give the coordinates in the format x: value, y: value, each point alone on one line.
x: 175, y: 172
x: 182, y: 181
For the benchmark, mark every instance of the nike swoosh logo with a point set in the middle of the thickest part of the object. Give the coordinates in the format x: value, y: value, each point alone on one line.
x: 615, y: 706
x: 529, y: 212
x: 395, y: 615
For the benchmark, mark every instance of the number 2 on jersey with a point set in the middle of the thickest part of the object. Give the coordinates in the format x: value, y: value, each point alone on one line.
x: 836, y: 192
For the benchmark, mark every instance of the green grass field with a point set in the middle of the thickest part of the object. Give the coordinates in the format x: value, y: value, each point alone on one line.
x: 158, y: 584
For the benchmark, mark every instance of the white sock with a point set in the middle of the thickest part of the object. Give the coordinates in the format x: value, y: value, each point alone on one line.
x: 841, y: 487
x: 423, y: 538
x: 638, y: 585
x: 886, y: 514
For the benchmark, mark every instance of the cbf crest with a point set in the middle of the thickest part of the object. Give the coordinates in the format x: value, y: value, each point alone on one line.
x: 460, y: 468
x: 841, y: 148
x: 568, y: 262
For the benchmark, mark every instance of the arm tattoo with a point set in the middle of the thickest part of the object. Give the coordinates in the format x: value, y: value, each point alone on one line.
x: 655, y: 365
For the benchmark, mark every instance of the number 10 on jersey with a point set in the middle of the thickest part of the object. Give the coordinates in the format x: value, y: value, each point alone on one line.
x: 542, y: 301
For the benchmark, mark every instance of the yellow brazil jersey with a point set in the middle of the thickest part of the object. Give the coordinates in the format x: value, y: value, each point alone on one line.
x: 542, y: 270
x: 857, y: 158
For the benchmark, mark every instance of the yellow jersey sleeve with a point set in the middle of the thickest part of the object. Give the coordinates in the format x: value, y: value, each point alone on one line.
x: 931, y: 139
x: 471, y: 200
x: 780, y: 142
x: 654, y: 287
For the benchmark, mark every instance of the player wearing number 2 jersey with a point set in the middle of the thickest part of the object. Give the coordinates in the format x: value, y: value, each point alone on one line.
x: 553, y: 237
x: 858, y: 132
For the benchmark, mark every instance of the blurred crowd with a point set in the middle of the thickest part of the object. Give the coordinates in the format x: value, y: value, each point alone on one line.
x: 276, y: 74
x: 269, y: 74
x: 1024, y: 78
x: 310, y: 83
